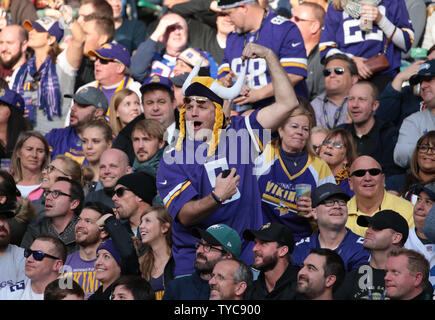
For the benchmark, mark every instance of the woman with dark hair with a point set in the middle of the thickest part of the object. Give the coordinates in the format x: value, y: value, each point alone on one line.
x: 22, y: 211
x: 339, y: 151
x: 12, y: 122
x: 132, y: 288
x: 422, y: 165
x: 31, y: 154
x: 49, y: 74
x: 286, y: 163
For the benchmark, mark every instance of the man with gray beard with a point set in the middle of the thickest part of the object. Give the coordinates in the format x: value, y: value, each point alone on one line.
x: 13, y: 46
x: 273, y: 247
x: 215, y: 243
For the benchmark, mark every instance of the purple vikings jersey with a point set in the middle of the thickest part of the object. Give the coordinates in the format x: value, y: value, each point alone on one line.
x: 277, y: 188
x: 65, y: 141
x: 342, y: 34
x: 188, y: 175
x: 350, y: 250
x: 284, y: 38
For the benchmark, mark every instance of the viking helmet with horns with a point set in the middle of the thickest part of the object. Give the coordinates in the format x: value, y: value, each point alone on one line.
x: 216, y: 92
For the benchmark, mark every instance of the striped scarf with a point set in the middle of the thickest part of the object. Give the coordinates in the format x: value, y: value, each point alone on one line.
x: 49, y: 97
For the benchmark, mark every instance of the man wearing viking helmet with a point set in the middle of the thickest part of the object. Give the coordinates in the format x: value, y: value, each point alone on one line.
x: 206, y: 178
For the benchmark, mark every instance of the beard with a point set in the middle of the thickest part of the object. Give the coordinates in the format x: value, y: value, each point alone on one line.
x: 204, y: 267
x: 6, y: 239
x: 12, y: 61
x: 268, y: 263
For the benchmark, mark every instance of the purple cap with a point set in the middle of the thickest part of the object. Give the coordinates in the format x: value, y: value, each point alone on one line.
x: 45, y: 24
x: 12, y: 99
x: 112, y: 51
x: 156, y: 79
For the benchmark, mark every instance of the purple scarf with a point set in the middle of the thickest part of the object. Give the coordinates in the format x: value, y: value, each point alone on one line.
x: 49, y: 96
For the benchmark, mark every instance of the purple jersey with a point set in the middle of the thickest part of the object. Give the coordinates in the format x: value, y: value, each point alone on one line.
x: 284, y: 38
x: 83, y: 272
x: 350, y: 250
x: 65, y: 141
x: 342, y: 34
x: 191, y: 177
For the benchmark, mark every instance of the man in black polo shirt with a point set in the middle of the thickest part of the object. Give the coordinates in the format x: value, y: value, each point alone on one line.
x: 372, y: 136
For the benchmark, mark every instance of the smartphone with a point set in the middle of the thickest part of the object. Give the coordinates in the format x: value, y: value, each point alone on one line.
x: 225, y: 173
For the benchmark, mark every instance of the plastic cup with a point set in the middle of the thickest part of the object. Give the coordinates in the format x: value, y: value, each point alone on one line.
x: 366, y: 23
x: 302, y: 190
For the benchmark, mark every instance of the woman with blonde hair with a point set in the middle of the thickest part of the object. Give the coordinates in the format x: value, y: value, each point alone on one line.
x: 286, y: 163
x: 124, y: 107
x: 31, y: 154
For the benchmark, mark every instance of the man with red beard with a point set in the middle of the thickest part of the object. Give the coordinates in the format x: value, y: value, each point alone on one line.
x: 13, y: 46
x: 89, y: 104
x: 80, y: 264
x: 216, y: 242
x: 273, y: 247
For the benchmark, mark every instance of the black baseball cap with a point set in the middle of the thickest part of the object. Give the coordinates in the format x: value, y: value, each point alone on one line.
x: 386, y: 219
x: 272, y: 232
x: 325, y: 191
x: 428, y: 188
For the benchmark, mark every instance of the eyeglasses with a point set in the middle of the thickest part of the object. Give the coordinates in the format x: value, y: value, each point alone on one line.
x: 199, y: 100
x: 362, y: 172
x: 297, y: 19
x: 335, y: 144
x: 50, y: 169
x: 38, y: 255
x: 337, y: 71
x: 331, y: 202
x: 119, y: 192
x: 56, y: 193
x: 425, y: 148
x: 105, y: 61
x: 207, y: 247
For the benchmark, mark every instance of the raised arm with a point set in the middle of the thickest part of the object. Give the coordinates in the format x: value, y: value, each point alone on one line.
x: 271, y: 116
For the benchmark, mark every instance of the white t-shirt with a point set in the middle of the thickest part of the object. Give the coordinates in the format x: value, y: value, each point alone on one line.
x: 428, y: 250
x: 21, y: 290
x: 12, y: 266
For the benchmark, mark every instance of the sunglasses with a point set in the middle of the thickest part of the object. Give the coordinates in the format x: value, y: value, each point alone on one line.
x: 297, y: 19
x: 119, y: 192
x: 38, y: 255
x: 362, y: 172
x: 335, y: 144
x: 105, y: 61
x: 199, y: 100
x: 337, y: 71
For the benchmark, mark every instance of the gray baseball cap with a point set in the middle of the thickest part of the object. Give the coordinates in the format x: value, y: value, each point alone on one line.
x: 90, y: 96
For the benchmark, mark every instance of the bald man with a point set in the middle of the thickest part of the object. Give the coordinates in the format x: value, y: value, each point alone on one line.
x: 368, y: 182
x: 113, y: 165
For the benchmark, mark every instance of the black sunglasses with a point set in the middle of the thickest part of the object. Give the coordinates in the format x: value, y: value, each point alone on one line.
x: 337, y: 70
x: 38, y: 255
x: 119, y: 192
x: 362, y: 172
x: 105, y: 61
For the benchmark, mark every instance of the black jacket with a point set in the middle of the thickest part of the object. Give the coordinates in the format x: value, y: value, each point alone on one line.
x: 285, y: 287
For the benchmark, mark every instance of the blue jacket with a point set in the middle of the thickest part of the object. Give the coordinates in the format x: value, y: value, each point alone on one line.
x: 191, y: 287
